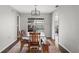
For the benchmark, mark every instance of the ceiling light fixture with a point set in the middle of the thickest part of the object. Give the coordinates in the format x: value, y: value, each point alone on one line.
x: 35, y: 12
x: 57, y: 6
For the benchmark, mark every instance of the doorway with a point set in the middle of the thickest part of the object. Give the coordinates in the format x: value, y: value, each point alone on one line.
x: 18, y: 25
x: 55, y: 29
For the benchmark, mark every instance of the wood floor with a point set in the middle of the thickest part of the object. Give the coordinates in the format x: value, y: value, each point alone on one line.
x: 16, y: 48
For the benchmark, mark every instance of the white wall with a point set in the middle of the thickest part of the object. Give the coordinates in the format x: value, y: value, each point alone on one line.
x: 68, y: 27
x: 8, y: 29
x: 52, y: 28
x: 47, y: 25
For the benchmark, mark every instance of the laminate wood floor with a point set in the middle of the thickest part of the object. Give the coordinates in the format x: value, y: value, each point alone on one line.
x: 16, y: 48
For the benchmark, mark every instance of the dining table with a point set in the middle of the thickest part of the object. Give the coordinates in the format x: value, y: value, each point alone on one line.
x: 42, y: 37
x: 42, y: 40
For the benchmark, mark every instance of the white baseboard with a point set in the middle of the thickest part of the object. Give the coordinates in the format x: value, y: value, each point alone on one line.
x: 7, y: 46
x: 65, y: 47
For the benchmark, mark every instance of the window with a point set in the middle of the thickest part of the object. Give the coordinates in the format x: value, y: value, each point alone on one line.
x: 36, y: 24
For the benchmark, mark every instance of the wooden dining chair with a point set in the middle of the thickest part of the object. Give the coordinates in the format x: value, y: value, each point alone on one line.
x: 34, y: 43
x: 23, y: 41
x: 45, y: 48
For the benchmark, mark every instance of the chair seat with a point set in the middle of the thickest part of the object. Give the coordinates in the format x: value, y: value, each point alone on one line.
x: 34, y: 47
x: 34, y: 43
x: 26, y: 38
x: 25, y: 41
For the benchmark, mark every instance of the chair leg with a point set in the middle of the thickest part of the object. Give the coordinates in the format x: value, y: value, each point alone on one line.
x: 22, y: 44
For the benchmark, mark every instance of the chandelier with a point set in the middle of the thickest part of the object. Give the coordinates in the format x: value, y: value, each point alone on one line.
x: 35, y: 12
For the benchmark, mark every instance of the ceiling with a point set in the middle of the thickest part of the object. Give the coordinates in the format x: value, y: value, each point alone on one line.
x: 29, y: 8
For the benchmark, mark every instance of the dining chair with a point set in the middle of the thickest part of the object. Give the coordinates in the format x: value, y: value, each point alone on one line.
x: 34, y: 43
x: 45, y: 48
x: 23, y: 39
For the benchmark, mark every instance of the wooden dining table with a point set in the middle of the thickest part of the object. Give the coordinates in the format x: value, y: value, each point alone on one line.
x: 42, y: 37
x: 42, y: 40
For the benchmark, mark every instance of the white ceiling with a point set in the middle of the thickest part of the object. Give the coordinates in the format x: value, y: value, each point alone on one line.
x: 29, y: 8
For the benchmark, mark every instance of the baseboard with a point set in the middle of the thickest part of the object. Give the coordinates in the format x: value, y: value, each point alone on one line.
x: 9, y: 47
x: 63, y: 49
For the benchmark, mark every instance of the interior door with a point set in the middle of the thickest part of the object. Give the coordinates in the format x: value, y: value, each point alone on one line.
x: 55, y: 29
